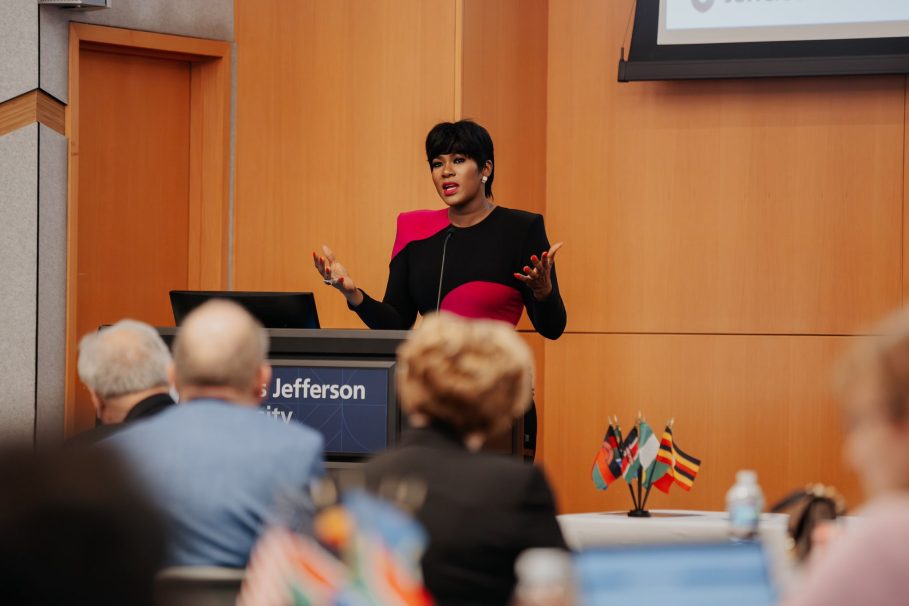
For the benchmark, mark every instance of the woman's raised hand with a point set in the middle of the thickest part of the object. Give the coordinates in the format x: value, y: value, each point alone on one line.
x: 537, y: 276
x: 335, y: 274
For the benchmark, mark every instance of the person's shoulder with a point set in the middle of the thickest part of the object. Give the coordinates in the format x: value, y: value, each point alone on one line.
x: 511, y: 473
x: 418, y: 225
x: 884, y: 519
x: 424, y: 215
x: 519, y: 217
x: 90, y: 437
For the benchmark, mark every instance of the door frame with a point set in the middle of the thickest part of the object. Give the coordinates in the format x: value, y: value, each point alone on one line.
x: 209, y: 161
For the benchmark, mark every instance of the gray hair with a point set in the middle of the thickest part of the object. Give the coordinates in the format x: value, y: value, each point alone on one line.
x: 124, y: 358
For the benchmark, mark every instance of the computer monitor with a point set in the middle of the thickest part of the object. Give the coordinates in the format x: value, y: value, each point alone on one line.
x: 272, y: 309
x: 717, y: 574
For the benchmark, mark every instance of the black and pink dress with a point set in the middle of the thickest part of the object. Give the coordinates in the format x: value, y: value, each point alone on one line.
x: 478, y: 280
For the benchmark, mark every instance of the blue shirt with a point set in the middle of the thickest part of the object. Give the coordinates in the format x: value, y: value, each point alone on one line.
x: 219, y: 472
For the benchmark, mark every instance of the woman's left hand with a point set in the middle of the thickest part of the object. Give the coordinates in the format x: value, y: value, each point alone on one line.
x: 538, y: 275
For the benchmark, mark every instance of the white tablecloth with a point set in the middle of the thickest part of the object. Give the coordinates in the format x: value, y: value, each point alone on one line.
x: 666, y: 526
x: 586, y: 530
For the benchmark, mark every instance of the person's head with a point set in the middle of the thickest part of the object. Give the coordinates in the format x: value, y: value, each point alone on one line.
x: 75, y: 528
x: 874, y: 386
x: 471, y: 375
x: 461, y: 160
x: 122, y: 364
x: 220, y: 352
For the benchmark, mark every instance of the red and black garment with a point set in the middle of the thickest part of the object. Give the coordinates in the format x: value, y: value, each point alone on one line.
x: 478, y: 281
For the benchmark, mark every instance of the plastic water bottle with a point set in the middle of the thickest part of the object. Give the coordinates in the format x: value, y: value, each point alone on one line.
x: 744, y: 502
x: 545, y: 578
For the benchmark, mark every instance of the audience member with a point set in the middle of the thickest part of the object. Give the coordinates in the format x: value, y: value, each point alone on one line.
x: 460, y: 382
x: 868, y: 563
x: 214, y: 463
x: 74, y: 529
x: 124, y: 368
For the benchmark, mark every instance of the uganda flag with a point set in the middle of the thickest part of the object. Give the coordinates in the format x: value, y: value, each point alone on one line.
x: 686, y: 468
x: 606, y: 466
x: 663, y: 464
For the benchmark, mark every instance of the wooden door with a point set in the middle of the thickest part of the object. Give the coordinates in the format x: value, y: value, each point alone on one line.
x: 133, y: 192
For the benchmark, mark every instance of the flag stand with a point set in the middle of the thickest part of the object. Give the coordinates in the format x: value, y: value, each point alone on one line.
x: 639, y: 511
x: 619, y: 455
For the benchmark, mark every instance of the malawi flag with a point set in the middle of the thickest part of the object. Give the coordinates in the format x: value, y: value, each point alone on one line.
x: 661, y: 471
x: 606, y: 466
x: 630, y: 463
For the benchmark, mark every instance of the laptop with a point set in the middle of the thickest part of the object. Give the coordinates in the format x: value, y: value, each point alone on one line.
x: 718, y: 574
x: 272, y: 309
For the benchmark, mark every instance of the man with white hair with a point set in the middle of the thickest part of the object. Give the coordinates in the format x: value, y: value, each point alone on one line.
x: 124, y: 368
x: 216, y: 466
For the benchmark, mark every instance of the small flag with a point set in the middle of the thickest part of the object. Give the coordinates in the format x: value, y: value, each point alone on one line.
x: 663, y: 463
x: 648, y: 449
x: 286, y: 565
x: 686, y: 468
x: 606, y: 466
x: 630, y: 461
x: 612, y: 437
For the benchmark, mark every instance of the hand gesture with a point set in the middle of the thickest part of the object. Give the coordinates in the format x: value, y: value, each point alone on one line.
x: 335, y: 274
x: 537, y: 276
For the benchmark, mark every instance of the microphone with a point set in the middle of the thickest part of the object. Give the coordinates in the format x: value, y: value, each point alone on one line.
x: 448, y: 234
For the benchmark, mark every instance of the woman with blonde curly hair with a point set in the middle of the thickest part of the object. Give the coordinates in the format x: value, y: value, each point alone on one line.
x: 459, y: 383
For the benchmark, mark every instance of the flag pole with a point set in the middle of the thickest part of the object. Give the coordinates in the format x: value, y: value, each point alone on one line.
x: 640, y: 506
x: 640, y: 487
x: 618, y: 431
x: 647, y: 495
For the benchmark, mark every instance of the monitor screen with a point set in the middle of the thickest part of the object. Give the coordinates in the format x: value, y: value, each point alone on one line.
x: 689, y: 39
x: 722, y: 22
x: 272, y: 309
x: 351, y: 403
x: 682, y: 575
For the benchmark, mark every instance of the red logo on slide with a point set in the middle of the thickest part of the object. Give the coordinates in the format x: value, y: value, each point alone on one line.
x: 702, y: 5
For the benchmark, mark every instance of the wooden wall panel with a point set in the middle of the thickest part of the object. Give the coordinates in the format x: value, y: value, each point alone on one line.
x: 769, y: 206
x: 504, y: 89
x: 334, y: 101
x: 905, y: 266
x: 759, y: 402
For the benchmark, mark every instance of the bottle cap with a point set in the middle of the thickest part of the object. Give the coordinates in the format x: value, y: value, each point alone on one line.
x: 746, y: 476
x: 543, y: 566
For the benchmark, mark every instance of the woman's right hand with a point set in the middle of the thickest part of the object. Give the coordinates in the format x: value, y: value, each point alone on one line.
x: 336, y: 275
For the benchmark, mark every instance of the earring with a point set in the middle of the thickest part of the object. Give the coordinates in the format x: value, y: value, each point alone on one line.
x: 484, y: 179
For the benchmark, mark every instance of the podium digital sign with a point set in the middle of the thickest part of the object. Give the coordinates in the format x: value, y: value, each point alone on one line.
x: 339, y: 382
x: 350, y: 403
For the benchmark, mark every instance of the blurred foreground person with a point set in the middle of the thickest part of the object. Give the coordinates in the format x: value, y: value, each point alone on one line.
x: 460, y: 382
x: 216, y: 465
x: 124, y: 368
x: 868, y: 564
x: 74, y: 529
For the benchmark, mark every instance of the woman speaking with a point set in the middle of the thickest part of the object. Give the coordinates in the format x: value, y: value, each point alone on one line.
x: 472, y: 258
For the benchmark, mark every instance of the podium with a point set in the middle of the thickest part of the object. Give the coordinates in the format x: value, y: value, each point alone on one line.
x: 342, y: 383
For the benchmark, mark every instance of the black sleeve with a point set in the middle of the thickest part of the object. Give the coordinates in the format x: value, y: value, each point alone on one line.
x: 548, y: 316
x: 397, y: 311
x: 539, y: 527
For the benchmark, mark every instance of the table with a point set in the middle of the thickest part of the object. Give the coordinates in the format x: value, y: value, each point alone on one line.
x: 584, y: 530
x: 616, y: 529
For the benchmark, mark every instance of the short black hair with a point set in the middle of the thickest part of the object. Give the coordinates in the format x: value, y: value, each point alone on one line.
x: 462, y: 137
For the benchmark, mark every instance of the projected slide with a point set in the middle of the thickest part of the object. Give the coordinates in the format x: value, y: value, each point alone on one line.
x: 348, y: 406
x: 731, y: 21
